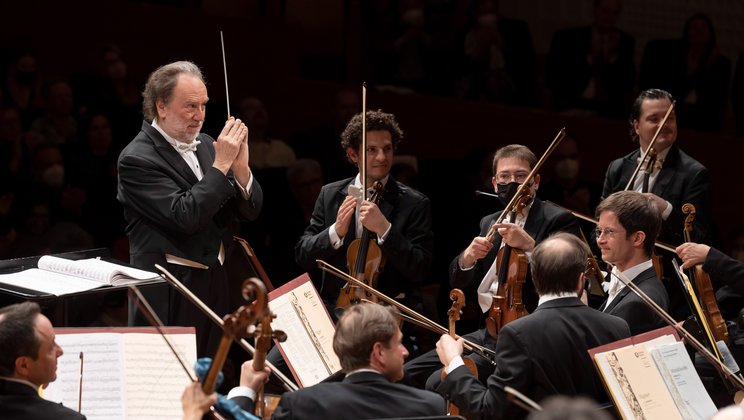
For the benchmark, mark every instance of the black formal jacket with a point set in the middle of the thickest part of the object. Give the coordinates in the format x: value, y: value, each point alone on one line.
x: 628, y: 306
x: 407, y: 249
x: 725, y: 270
x: 542, y: 220
x: 541, y: 354
x: 681, y: 180
x: 20, y: 401
x: 363, y: 395
x: 168, y: 210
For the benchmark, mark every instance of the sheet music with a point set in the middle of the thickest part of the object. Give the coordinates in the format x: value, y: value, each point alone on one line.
x: 48, y: 282
x: 103, y: 371
x: 155, y: 380
x: 300, y: 313
x: 126, y: 375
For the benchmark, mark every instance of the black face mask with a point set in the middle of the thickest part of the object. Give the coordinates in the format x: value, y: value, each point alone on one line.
x: 26, y: 77
x: 506, y: 191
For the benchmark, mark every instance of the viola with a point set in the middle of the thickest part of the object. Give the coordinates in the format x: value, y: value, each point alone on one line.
x: 365, y: 260
x: 704, y: 287
x: 511, y: 263
x: 453, y: 314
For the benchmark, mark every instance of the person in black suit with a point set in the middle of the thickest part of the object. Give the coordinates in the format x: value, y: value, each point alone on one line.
x: 475, y: 266
x: 561, y: 323
x: 184, y: 194
x: 628, y: 223
x: 675, y: 178
x: 28, y: 362
x: 368, y: 343
x: 401, y: 222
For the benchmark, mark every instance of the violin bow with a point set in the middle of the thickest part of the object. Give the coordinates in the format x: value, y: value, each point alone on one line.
x: 363, y: 168
x: 650, y: 146
x: 406, y: 313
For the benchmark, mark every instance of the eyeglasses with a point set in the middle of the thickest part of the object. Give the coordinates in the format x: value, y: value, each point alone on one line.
x: 507, y: 177
x: 609, y: 233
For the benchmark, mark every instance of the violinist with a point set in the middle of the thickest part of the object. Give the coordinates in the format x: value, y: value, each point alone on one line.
x: 400, y: 223
x: 28, y: 362
x: 476, y: 264
x: 727, y: 271
x: 671, y: 179
x: 545, y: 352
x: 626, y: 232
x: 184, y: 194
x: 368, y: 342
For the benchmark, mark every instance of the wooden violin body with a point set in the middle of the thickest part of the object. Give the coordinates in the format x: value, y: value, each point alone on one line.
x: 365, y: 260
x: 458, y: 301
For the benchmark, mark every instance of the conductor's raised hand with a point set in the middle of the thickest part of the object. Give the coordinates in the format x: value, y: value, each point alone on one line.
x: 228, y: 144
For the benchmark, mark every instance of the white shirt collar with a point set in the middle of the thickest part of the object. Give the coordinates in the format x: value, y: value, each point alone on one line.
x: 181, y: 147
x: 549, y: 297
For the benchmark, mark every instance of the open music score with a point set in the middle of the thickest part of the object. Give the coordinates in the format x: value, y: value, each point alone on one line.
x: 301, y: 314
x: 129, y: 372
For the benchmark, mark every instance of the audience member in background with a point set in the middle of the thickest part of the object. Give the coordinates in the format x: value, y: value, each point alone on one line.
x: 58, y: 125
x: 566, y: 186
x: 499, y: 59
x: 591, y: 67
x: 693, y: 70
x: 22, y: 86
x: 266, y: 152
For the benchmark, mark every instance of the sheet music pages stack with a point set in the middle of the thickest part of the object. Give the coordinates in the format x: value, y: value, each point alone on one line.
x: 60, y: 276
x: 301, y: 314
x: 128, y: 373
x: 651, y: 376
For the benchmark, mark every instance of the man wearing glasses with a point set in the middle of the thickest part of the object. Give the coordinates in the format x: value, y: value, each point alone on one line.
x: 628, y: 225
x: 475, y: 267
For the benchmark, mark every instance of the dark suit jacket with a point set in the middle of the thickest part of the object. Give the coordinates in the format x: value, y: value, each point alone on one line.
x: 169, y: 211
x: 541, y: 354
x: 725, y: 270
x: 628, y: 306
x: 542, y: 220
x: 363, y: 395
x: 407, y: 249
x: 681, y: 180
x: 20, y: 401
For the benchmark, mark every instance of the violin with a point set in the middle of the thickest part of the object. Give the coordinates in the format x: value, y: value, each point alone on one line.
x: 236, y: 326
x: 453, y: 314
x: 704, y: 287
x: 507, y: 304
x: 265, y: 403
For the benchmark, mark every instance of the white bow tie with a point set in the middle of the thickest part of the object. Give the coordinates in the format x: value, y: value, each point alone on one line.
x: 187, y: 147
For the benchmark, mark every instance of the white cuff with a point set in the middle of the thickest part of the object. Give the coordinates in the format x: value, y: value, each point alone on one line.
x: 242, y: 391
x: 667, y: 211
x: 381, y: 239
x: 336, y: 242
x: 245, y: 191
x: 454, y: 364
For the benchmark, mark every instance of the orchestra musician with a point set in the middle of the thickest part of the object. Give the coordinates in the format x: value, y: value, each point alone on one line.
x: 28, y: 362
x: 628, y: 223
x: 368, y: 342
x: 184, y: 194
x: 673, y: 179
x: 476, y: 264
x: 545, y: 352
x: 401, y: 222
